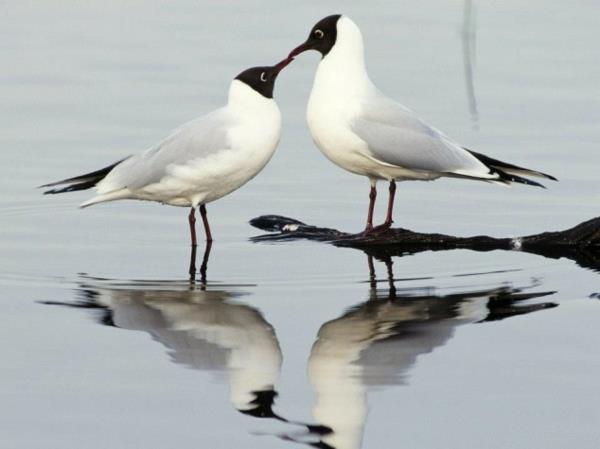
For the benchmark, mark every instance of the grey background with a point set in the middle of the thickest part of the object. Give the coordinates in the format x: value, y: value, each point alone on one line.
x: 83, y: 84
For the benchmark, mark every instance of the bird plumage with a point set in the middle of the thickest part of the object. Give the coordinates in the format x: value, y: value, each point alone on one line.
x: 199, y: 162
x: 397, y: 138
x: 81, y: 182
x: 365, y: 132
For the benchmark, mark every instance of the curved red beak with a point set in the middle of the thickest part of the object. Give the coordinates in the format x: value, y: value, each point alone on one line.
x: 300, y: 49
x: 282, y: 64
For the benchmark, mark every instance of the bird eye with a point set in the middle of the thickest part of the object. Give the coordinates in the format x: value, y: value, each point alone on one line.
x: 319, y: 34
x: 263, y: 77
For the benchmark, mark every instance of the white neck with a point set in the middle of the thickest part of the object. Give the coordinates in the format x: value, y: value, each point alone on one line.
x: 243, y: 97
x: 343, y: 68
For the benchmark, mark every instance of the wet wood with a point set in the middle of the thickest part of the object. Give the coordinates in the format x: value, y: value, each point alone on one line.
x: 580, y: 243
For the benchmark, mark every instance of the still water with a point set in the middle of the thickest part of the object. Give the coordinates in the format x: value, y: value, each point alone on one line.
x: 105, y: 343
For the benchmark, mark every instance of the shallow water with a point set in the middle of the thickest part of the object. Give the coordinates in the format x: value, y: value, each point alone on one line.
x: 106, y: 344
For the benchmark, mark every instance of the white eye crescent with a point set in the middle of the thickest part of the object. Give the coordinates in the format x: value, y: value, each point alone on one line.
x: 263, y: 77
x: 319, y: 34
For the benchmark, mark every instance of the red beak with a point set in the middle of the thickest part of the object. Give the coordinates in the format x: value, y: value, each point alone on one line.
x: 299, y: 49
x: 280, y: 65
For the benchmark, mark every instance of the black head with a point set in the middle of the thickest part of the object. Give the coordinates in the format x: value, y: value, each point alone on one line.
x: 262, y: 79
x: 321, y: 38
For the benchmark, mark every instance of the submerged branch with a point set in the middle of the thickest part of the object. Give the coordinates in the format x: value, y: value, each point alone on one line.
x: 580, y: 243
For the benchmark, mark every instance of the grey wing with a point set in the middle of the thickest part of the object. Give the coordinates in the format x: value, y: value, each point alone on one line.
x: 395, y: 136
x: 194, y: 140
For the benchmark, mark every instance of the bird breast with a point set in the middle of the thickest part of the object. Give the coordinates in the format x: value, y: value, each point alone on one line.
x: 329, y: 118
x: 336, y: 98
x: 257, y: 136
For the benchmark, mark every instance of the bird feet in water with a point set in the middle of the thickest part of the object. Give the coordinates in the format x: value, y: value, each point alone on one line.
x: 380, y: 229
x: 383, y: 227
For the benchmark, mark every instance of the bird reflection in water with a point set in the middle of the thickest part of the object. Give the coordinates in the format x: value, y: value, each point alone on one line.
x: 202, y: 328
x: 376, y: 343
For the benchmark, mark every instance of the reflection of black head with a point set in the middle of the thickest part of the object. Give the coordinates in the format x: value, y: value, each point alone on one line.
x: 262, y: 404
x: 322, y: 37
x: 262, y: 79
x: 321, y: 445
x: 263, y: 408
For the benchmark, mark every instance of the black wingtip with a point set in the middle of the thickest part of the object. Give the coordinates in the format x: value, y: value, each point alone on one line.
x: 539, y: 173
x: 72, y: 188
x: 544, y: 175
x: 54, y: 191
x: 507, y: 168
x: 510, y: 178
x: 81, y: 182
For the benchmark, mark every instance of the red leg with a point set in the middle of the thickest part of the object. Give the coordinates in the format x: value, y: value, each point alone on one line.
x: 388, y: 219
x: 372, y: 198
x: 205, y: 221
x: 192, y: 220
x: 387, y: 224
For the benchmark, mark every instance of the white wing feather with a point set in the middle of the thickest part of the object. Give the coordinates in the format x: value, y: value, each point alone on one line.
x: 192, y: 141
x: 396, y: 136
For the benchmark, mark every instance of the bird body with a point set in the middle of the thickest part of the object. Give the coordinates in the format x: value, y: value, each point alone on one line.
x: 360, y: 129
x: 202, y: 160
x: 202, y: 329
x: 367, y: 133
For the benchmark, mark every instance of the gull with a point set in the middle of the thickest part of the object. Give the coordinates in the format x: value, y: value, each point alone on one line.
x: 365, y: 132
x: 376, y: 344
x: 202, y: 160
x: 210, y: 330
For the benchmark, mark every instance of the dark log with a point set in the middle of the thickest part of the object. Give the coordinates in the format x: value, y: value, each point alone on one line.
x: 580, y: 243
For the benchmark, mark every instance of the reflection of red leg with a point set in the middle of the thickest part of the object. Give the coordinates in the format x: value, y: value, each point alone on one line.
x: 388, y: 265
x: 192, y: 270
x: 372, y: 280
x: 205, y: 221
x: 204, y: 265
x: 192, y: 220
x: 372, y: 197
x: 387, y: 224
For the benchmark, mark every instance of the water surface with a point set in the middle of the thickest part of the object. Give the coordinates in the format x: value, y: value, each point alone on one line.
x: 106, y: 344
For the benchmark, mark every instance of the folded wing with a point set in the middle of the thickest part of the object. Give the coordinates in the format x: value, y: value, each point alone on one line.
x: 396, y: 137
x: 188, y: 144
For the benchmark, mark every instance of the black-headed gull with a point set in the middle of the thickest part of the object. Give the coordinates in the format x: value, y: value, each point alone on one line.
x: 367, y: 133
x: 204, y: 330
x: 375, y: 345
x: 202, y: 160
